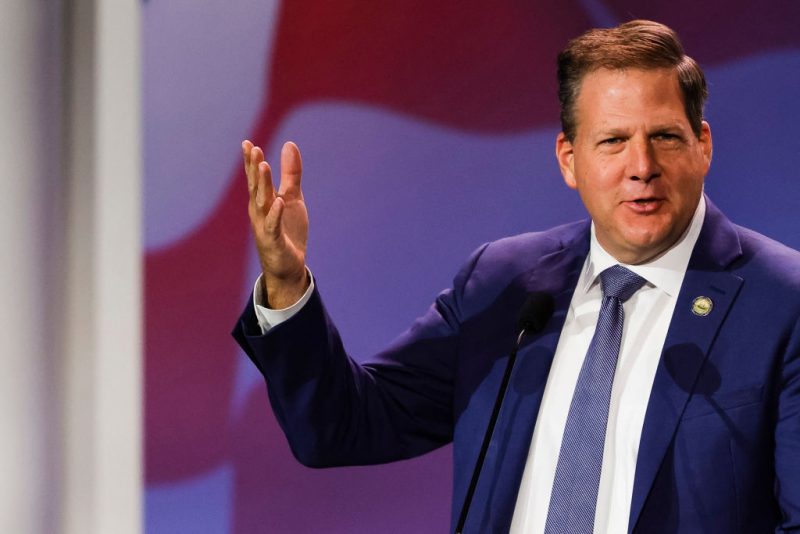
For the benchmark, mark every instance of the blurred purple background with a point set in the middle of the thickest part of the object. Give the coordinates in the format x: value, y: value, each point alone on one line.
x: 426, y: 129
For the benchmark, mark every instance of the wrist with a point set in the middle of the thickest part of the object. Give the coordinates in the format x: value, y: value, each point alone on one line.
x: 282, y: 292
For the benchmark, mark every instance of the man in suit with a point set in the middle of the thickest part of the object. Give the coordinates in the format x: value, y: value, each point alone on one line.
x: 699, y: 411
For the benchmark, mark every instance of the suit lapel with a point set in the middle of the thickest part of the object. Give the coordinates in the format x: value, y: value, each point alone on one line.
x: 686, y: 347
x: 556, y: 274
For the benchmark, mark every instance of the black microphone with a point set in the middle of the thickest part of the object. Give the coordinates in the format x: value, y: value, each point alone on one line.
x: 533, y: 317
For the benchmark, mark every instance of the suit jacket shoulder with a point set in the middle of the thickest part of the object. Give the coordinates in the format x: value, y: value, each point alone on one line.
x: 775, y: 262
x: 519, y: 264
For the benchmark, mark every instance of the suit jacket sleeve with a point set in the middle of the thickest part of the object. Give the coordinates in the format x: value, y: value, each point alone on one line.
x: 336, y: 411
x: 787, y: 437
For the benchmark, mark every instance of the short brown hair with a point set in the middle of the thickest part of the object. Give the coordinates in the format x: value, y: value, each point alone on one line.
x: 641, y: 44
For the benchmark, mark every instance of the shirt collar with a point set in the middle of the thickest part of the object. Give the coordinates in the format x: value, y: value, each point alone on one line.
x: 664, y: 271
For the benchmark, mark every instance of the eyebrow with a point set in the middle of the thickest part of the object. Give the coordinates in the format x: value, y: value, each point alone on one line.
x: 667, y: 128
x: 609, y: 130
x: 617, y: 131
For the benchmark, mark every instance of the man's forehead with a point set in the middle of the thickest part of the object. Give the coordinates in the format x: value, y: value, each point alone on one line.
x: 602, y: 75
x: 617, y: 98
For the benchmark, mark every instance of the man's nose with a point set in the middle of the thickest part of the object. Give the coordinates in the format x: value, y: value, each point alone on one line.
x: 643, y: 164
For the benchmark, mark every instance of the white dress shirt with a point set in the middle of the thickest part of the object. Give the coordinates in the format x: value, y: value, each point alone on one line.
x: 267, y: 317
x: 647, y: 316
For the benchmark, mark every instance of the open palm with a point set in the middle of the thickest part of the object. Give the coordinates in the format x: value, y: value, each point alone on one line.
x: 279, y: 221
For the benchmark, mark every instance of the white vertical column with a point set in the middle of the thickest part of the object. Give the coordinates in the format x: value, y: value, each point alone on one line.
x: 70, y: 267
x: 29, y: 182
x: 103, y: 394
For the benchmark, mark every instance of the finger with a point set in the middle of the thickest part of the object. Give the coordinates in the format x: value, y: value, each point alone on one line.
x: 247, y: 147
x: 272, y: 223
x: 291, y: 170
x: 264, y: 192
x: 256, y: 157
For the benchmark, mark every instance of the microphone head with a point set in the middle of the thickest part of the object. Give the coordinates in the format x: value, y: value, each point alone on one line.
x: 536, y: 311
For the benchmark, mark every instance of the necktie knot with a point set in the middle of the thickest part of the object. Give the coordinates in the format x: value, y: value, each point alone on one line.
x: 619, y: 282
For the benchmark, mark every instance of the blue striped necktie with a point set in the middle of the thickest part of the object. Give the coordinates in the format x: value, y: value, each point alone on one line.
x: 574, y: 497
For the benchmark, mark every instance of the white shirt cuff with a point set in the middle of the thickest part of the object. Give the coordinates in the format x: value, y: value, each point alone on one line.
x: 268, y: 317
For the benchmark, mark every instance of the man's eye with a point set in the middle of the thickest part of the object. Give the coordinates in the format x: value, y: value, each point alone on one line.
x: 611, y: 141
x: 666, y: 137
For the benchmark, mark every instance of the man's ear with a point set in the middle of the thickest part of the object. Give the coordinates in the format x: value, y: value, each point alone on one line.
x: 565, y: 155
x: 706, y: 143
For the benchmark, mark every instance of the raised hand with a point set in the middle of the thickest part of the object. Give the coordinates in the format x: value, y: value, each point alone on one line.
x: 280, y: 223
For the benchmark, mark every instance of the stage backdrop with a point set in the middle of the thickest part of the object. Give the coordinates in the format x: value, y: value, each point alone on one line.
x: 427, y: 128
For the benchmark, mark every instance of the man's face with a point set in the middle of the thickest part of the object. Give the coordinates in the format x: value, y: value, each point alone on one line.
x: 635, y: 161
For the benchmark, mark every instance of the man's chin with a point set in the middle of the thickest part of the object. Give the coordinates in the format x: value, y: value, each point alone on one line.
x: 647, y: 248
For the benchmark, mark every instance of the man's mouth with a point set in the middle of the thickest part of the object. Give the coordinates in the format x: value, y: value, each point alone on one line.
x: 644, y: 205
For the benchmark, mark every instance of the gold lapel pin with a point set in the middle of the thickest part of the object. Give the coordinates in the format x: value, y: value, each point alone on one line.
x: 701, y: 306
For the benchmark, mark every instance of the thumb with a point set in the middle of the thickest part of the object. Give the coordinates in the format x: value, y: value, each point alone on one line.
x: 272, y: 223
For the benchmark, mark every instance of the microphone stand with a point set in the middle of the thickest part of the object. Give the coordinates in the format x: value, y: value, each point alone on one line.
x: 487, y: 437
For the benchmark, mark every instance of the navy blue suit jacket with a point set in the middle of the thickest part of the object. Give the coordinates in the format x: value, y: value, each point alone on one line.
x: 720, y: 446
